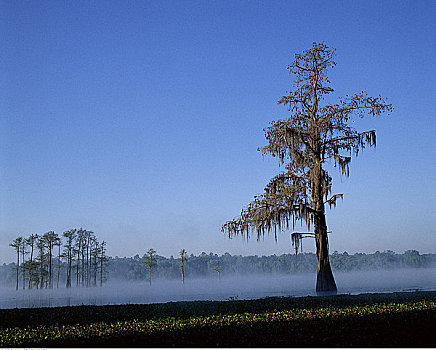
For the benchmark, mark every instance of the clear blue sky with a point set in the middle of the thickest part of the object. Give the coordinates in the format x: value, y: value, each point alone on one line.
x: 140, y: 120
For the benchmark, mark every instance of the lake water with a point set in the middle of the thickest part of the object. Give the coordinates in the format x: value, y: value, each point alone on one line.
x: 228, y: 288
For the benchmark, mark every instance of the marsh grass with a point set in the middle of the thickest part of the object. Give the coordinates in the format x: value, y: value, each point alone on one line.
x: 397, y: 319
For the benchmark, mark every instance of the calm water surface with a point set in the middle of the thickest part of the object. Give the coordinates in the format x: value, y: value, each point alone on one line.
x: 228, y: 288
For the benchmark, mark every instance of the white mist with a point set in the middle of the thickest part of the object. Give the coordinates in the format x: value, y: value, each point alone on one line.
x: 229, y: 287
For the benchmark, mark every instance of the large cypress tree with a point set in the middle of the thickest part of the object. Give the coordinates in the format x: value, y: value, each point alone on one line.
x: 314, y: 134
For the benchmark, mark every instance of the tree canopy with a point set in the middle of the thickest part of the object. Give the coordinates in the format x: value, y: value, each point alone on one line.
x: 314, y: 133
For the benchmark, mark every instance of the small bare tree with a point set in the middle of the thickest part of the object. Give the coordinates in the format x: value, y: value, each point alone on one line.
x: 218, y: 268
x: 150, y: 261
x: 183, y: 259
x: 315, y: 133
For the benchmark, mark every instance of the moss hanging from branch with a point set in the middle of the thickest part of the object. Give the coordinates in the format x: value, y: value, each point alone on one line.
x: 315, y: 133
x: 297, y: 239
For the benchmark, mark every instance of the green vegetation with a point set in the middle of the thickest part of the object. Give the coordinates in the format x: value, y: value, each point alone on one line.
x: 398, y: 319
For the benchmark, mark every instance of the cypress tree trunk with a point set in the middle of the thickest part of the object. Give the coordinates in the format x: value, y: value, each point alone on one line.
x: 325, y: 282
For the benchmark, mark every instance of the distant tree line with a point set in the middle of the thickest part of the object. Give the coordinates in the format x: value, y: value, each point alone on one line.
x: 135, y: 268
x: 45, y: 261
x: 138, y: 268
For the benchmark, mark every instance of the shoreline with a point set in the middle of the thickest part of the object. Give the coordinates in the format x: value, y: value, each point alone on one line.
x: 184, y: 308
x: 402, y: 319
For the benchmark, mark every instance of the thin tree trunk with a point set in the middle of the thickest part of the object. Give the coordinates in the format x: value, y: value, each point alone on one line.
x: 70, y: 262
x: 23, y: 269
x: 68, y: 284
x: 31, y: 267
x: 59, y: 266
x: 87, y: 263
x: 95, y: 274
x: 18, y: 266
x: 149, y: 276
x: 101, y: 272
x: 50, y: 253
x: 94, y: 265
x: 83, y: 266
x: 78, y: 267
x: 41, y: 267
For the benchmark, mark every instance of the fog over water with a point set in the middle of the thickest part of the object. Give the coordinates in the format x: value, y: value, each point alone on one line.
x: 229, y: 287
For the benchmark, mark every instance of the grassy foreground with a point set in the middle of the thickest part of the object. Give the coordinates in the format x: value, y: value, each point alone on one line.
x: 397, y: 319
